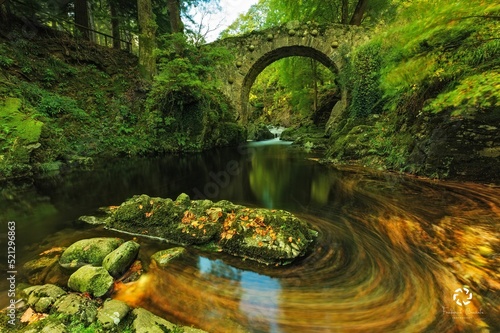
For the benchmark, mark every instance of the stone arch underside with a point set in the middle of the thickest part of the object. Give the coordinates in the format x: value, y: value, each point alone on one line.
x: 275, y: 55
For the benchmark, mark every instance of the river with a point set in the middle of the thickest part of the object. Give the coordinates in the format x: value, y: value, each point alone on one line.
x: 394, y: 253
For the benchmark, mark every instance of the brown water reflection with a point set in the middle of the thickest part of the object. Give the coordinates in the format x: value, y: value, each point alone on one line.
x: 391, y: 254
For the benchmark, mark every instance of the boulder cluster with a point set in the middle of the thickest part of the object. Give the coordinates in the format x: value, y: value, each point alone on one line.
x: 91, y: 268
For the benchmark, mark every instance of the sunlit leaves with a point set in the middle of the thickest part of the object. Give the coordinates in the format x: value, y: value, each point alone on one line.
x: 472, y: 93
x: 442, y: 46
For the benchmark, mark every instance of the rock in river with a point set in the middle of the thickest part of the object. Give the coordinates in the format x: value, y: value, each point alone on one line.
x: 268, y: 236
x: 88, y: 252
x: 94, y: 280
x: 118, y: 261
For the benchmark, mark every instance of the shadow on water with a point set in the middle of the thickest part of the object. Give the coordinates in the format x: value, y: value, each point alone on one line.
x: 391, y: 253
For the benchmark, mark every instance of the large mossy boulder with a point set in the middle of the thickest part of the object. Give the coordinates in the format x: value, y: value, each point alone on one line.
x: 267, y: 236
x: 88, y: 252
x: 118, y: 261
x: 93, y: 280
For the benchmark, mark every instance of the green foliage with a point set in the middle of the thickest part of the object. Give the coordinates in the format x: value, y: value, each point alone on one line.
x: 286, y: 91
x: 477, y: 92
x: 437, y: 47
x: 184, y: 102
x: 364, y: 76
x: 436, y: 57
x: 50, y: 104
x: 5, y: 61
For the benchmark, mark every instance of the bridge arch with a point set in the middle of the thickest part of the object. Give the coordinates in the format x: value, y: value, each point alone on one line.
x: 279, y: 53
x: 257, y: 50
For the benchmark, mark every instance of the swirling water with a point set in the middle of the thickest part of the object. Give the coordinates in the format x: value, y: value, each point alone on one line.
x: 394, y: 254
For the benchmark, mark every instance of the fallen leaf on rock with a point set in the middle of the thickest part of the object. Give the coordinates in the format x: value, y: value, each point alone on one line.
x: 27, y: 315
x: 30, y: 316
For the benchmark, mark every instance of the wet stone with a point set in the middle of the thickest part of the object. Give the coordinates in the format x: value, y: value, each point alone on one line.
x: 93, y: 280
x: 161, y: 259
x: 112, y: 313
x: 274, y: 237
x: 118, y: 261
x: 80, y: 307
x: 41, y: 298
x: 88, y: 252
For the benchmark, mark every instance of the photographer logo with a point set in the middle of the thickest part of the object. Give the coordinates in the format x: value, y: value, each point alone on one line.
x: 462, y: 296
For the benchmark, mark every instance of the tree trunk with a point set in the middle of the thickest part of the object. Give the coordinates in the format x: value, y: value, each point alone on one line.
x: 174, y: 15
x: 92, y: 33
x: 115, y: 25
x: 82, y: 19
x: 147, y: 42
x: 357, y: 16
x: 345, y: 12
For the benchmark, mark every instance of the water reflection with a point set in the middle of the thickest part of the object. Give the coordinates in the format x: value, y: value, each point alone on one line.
x: 258, y: 294
x: 391, y: 252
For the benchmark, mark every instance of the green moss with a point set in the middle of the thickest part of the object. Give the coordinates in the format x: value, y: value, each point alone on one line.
x: 19, y: 135
x: 88, y: 251
x: 272, y: 237
x: 17, y: 124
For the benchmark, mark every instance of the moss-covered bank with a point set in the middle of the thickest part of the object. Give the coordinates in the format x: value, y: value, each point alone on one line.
x: 424, y: 94
x: 64, y: 102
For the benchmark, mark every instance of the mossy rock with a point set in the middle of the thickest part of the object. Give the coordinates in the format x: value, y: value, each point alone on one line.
x: 270, y: 237
x: 228, y: 134
x: 163, y: 218
x: 93, y: 280
x: 146, y: 322
x: 118, y: 261
x: 112, y: 313
x: 267, y: 236
x: 90, y: 251
x: 54, y: 326
x: 162, y: 259
x: 41, y: 298
x: 80, y: 308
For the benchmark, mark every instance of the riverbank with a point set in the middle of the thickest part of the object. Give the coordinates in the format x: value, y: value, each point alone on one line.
x: 65, y: 102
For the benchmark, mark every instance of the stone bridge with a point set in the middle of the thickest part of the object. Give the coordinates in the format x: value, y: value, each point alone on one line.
x: 255, y: 51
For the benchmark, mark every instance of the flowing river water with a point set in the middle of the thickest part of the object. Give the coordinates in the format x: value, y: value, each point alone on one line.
x: 394, y: 253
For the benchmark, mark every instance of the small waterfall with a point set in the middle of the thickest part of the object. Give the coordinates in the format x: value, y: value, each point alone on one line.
x: 276, y: 131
